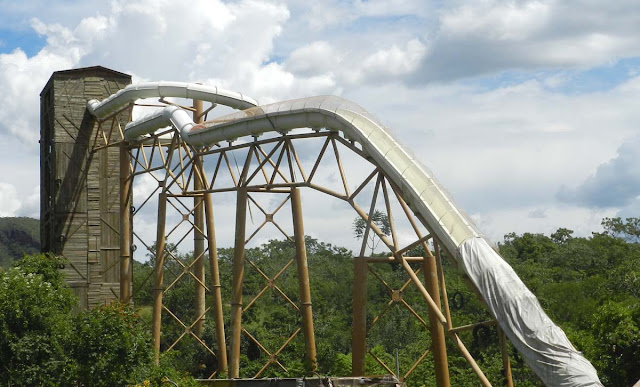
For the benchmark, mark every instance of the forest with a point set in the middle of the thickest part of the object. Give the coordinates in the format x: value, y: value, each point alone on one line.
x: 589, y: 286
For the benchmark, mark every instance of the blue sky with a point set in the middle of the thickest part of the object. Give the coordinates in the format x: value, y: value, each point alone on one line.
x: 25, y: 39
x: 525, y: 110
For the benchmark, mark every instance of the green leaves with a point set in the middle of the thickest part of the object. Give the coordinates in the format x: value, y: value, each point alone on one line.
x: 35, y: 324
x: 628, y: 229
x: 43, y: 344
x: 109, y: 345
x: 590, y: 287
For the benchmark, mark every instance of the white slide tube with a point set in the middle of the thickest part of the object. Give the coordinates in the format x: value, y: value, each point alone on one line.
x: 101, y: 109
x: 170, y: 115
x: 543, y: 345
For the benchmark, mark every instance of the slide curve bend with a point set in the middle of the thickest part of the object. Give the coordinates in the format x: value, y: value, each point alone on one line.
x: 543, y: 345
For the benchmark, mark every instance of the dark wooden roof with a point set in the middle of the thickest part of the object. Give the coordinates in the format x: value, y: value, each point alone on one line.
x: 95, y: 71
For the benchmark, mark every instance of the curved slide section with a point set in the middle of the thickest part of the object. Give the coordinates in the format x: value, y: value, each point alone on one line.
x: 544, y: 345
x: 101, y: 109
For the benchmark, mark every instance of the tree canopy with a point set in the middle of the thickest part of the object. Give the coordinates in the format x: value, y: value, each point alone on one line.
x: 590, y: 286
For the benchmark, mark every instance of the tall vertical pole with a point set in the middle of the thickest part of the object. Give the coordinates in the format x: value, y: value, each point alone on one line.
x: 198, y: 234
x: 359, y: 329
x: 361, y: 266
x: 236, y: 283
x: 506, y: 364
x: 125, y: 224
x: 303, y: 281
x: 438, y: 345
x: 215, y: 284
x: 159, y: 275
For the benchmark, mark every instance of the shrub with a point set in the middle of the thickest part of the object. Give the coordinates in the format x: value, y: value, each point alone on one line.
x: 35, y: 324
x: 109, y: 344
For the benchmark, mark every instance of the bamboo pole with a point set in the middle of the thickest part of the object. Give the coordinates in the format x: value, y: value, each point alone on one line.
x: 303, y: 281
x: 443, y: 288
x: 215, y: 284
x: 442, y: 320
x: 236, y: 291
x: 198, y: 234
x: 159, y: 275
x: 125, y: 225
x: 359, y: 329
x: 438, y: 345
x: 506, y: 364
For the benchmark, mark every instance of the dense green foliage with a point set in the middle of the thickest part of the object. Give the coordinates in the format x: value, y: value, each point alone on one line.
x: 109, y: 345
x: 18, y: 236
x: 271, y: 319
x: 35, y: 325
x: 599, y: 275
x: 43, y: 343
x: 590, y: 286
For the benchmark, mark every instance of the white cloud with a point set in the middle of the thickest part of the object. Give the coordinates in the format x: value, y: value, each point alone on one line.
x: 615, y: 183
x: 21, y: 79
x: 495, y: 20
x: 482, y: 37
x: 314, y: 58
x: 503, y: 150
x: 9, y: 203
x: 395, y: 61
x: 583, y: 221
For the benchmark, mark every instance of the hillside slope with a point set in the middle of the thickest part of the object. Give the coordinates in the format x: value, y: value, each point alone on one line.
x: 18, y: 236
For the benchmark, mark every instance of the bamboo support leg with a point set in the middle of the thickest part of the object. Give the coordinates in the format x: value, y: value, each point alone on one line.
x: 433, y: 308
x: 215, y: 285
x: 438, y: 345
x: 198, y: 235
x: 303, y: 281
x: 125, y: 225
x: 236, y: 291
x: 359, y: 332
x: 198, y: 253
x: 159, y: 275
x: 506, y: 364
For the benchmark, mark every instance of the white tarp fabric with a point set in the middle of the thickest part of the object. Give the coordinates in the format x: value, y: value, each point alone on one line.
x: 543, y: 345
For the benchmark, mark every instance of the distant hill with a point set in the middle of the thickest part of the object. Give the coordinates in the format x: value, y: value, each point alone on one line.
x: 18, y: 236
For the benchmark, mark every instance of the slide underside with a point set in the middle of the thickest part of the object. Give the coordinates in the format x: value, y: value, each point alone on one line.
x: 543, y: 345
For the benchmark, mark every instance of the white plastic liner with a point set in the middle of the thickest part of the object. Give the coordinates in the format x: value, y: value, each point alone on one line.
x: 170, y: 115
x: 212, y: 94
x: 420, y: 189
x: 543, y: 345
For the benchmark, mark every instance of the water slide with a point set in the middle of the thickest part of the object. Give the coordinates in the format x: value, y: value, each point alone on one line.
x: 542, y: 344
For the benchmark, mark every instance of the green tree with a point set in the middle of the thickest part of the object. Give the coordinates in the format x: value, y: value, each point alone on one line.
x: 381, y: 220
x: 35, y: 324
x: 109, y: 344
x: 628, y: 229
x: 42, y: 342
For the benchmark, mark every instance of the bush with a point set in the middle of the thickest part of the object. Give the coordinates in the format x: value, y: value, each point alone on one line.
x: 109, y: 345
x: 43, y: 344
x: 35, y: 324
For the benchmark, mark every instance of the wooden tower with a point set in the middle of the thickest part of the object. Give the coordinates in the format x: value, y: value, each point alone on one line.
x: 80, y: 203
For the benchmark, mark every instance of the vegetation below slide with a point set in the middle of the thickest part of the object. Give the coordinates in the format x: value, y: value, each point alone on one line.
x: 589, y: 286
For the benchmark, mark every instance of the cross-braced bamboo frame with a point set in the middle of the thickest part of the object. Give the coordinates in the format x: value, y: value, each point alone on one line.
x: 179, y: 183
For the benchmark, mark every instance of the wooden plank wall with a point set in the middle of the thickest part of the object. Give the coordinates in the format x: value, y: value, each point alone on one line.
x: 80, y: 187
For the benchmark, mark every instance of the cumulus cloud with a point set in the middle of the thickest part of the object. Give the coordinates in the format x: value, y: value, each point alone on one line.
x: 394, y: 61
x: 481, y: 37
x: 498, y: 222
x: 21, y: 79
x: 504, y: 150
x: 9, y: 203
x: 314, y: 58
x: 615, y: 183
